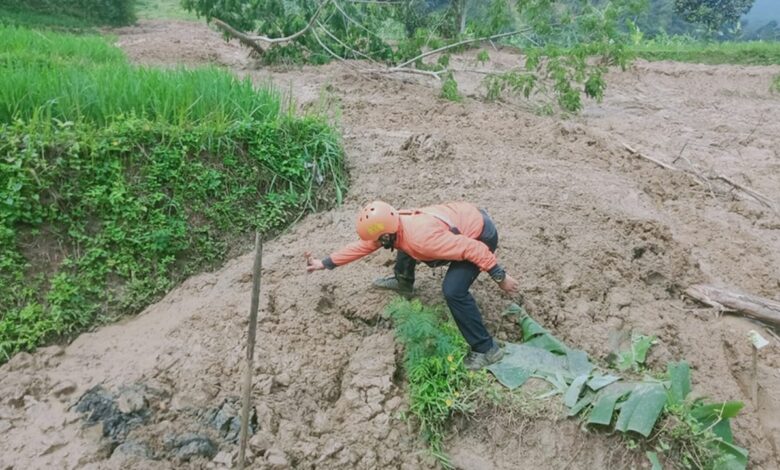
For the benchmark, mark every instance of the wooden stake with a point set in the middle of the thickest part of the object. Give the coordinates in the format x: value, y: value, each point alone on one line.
x: 250, y: 347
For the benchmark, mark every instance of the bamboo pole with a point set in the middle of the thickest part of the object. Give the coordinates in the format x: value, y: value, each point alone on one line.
x: 250, y: 347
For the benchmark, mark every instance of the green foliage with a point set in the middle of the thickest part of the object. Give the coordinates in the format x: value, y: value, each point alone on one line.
x: 691, y: 434
x: 684, y: 49
x: 776, y: 84
x: 714, y: 14
x: 634, y: 357
x: 102, y: 209
x: 449, y: 89
x: 97, y: 12
x: 157, y: 9
x: 568, y: 49
x: 483, y: 57
x: 439, y: 385
x: 569, y: 43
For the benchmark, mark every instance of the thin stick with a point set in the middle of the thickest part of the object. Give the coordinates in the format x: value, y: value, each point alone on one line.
x: 461, y: 43
x: 763, y: 200
x: 429, y: 73
x: 250, y: 347
x: 295, y: 35
x: 341, y: 43
x: 754, y: 370
x: 651, y: 159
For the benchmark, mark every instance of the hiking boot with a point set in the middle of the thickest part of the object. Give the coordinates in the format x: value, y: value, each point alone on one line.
x: 404, y: 288
x: 476, y: 361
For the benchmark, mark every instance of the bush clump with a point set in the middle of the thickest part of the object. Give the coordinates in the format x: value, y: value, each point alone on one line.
x: 101, y: 12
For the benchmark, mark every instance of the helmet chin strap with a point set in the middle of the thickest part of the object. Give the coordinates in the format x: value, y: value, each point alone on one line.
x: 388, y: 241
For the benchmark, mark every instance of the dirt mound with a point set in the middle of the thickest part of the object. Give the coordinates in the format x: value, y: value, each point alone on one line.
x: 169, y: 43
x: 602, y: 242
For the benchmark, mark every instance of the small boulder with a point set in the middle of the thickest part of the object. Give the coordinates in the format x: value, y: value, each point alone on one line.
x: 277, y: 459
x: 131, y: 399
x: 190, y: 445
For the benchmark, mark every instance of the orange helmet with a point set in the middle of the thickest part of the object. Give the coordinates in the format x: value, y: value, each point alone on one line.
x: 377, y: 219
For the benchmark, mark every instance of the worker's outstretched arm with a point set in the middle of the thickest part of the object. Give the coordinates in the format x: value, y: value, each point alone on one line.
x: 349, y: 253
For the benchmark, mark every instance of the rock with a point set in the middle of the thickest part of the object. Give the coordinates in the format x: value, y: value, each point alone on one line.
x: 131, y: 400
x: 320, y: 423
x: 224, y: 458
x: 283, y: 379
x: 393, y: 404
x: 66, y: 387
x: 192, y: 445
x: 99, y: 406
x: 227, y: 422
x: 277, y: 459
x: 132, y: 449
x: 261, y: 441
x: 266, y: 418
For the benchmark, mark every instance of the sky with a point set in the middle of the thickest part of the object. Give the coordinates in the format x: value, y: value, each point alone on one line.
x: 762, y: 12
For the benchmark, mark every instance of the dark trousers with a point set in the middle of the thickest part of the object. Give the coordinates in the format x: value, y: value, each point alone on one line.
x: 460, y: 275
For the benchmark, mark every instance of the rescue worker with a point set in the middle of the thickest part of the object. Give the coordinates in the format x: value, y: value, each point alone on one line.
x: 458, y: 234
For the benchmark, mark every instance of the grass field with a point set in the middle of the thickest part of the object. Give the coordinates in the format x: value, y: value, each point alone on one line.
x: 162, y: 9
x: 32, y: 19
x: 742, y: 53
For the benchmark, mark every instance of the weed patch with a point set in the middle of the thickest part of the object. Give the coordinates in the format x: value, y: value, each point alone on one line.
x: 449, y: 89
x: 657, y: 415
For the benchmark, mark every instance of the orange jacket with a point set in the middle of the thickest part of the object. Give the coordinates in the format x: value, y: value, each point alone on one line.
x: 426, y: 237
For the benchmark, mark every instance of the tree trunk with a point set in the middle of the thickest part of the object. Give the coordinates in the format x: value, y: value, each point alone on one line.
x: 463, y: 5
x: 758, y: 308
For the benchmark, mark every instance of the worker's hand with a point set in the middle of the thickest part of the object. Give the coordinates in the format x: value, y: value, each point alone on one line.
x: 509, y: 285
x: 313, y: 264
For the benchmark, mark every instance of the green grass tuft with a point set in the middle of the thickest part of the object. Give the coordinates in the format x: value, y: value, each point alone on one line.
x: 439, y: 385
x: 449, y: 89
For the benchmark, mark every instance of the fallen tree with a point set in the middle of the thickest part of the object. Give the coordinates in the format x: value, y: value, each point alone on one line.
x: 758, y: 308
x: 563, y: 59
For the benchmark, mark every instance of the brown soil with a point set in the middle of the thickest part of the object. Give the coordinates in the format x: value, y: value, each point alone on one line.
x: 601, y: 241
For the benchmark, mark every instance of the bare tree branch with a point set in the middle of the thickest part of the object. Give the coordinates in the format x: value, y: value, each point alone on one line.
x: 341, y: 43
x: 242, y: 37
x: 765, y: 201
x: 349, y: 18
x: 461, y: 43
x: 296, y: 35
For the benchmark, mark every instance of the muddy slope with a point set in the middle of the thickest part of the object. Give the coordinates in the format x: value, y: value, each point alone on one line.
x: 601, y: 241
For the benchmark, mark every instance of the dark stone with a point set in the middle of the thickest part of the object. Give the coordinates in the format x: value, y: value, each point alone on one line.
x: 134, y: 449
x: 190, y: 445
x: 101, y: 407
x: 227, y: 420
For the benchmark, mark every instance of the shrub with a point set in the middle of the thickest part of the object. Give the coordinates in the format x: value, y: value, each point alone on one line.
x: 109, y: 12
